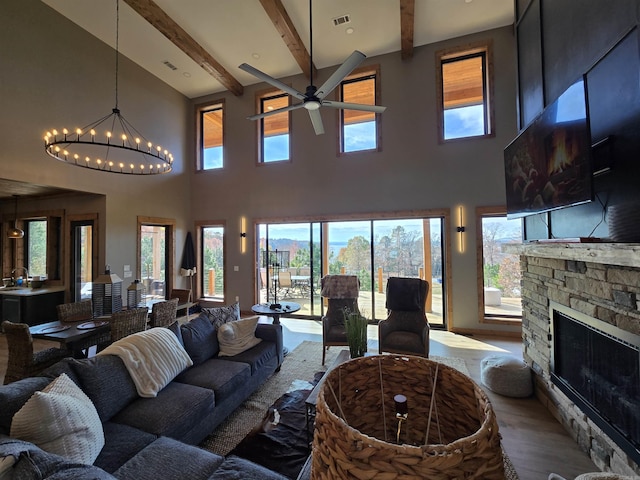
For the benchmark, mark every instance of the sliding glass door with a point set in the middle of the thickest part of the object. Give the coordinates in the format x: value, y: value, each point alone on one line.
x: 374, y: 250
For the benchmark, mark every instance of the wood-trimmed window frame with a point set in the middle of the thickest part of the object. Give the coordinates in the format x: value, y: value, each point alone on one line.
x: 483, y: 47
x: 199, y: 226
x: 170, y: 247
x: 482, y: 212
x: 363, y: 73
x: 261, y: 96
x: 200, y: 110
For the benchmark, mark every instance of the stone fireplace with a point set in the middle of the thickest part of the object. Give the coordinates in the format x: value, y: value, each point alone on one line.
x: 588, y: 353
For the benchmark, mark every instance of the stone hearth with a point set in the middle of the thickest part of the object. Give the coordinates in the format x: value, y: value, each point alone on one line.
x: 598, y: 280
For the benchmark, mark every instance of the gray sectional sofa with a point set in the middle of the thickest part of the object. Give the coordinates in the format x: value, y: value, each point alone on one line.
x: 153, y: 438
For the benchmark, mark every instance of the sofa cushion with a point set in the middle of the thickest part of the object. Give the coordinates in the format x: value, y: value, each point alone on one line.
x: 34, y: 463
x: 237, y: 336
x: 63, y: 366
x: 220, y: 315
x: 177, y: 331
x: 121, y: 442
x: 200, y: 339
x: 14, y: 395
x: 257, y: 357
x: 182, y: 407
x: 61, y: 419
x: 168, y: 459
x: 236, y: 468
x: 224, y: 377
x: 106, y: 381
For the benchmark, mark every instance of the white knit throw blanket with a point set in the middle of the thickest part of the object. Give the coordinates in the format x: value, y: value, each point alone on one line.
x: 153, y: 358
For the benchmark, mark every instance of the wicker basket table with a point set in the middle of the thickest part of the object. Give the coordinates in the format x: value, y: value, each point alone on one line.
x: 356, y: 432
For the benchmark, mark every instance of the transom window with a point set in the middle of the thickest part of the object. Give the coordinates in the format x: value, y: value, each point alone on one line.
x: 274, y: 129
x: 359, y: 130
x: 210, y: 135
x: 464, y: 83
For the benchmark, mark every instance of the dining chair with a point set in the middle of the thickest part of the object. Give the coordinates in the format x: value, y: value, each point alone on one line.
x: 406, y: 329
x: 341, y: 291
x: 164, y: 313
x: 81, y: 311
x: 22, y: 361
x: 128, y: 321
x: 182, y: 294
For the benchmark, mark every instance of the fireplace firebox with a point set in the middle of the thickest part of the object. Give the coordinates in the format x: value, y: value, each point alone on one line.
x: 597, y: 366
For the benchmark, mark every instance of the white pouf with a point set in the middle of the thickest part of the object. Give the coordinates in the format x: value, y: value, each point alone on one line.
x: 506, y: 375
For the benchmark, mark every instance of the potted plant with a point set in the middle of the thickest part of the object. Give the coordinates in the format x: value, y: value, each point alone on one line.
x: 355, y: 325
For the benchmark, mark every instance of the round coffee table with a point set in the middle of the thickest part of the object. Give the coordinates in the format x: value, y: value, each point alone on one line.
x: 275, y: 313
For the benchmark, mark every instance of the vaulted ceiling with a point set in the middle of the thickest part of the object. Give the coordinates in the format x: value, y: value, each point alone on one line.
x: 196, y: 46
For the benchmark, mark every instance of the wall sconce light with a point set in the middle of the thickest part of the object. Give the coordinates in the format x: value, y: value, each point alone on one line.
x: 243, y: 234
x: 460, y: 229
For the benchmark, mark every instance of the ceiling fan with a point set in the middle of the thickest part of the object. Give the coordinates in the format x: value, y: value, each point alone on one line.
x: 314, y: 98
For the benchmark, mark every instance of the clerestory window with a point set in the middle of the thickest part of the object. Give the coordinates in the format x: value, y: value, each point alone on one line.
x: 465, y: 92
x: 210, y: 125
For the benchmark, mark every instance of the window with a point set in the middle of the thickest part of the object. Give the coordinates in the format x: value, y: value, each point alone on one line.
x: 36, y: 243
x: 212, y: 280
x: 374, y: 249
x: 156, y: 251
x: 465, y: 86
x: 359, y: 130
x: 274, y: 129
x: 499, y: 295
x: 83, y: 248
x: 210, y: 136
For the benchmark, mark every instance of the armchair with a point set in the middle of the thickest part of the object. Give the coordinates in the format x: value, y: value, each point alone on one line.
x: 406, y: 329
x: 340, y: 291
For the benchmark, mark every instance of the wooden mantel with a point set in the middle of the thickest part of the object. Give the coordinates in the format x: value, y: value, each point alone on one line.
x: 620, y: 254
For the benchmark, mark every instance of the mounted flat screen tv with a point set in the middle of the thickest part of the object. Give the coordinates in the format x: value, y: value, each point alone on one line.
x: 549, y: 165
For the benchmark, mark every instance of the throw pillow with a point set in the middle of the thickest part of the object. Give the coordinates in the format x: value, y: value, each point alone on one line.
x: 236, y: 337
x: 221, y: 315
x: 199, y: 339
x: 62, y: 420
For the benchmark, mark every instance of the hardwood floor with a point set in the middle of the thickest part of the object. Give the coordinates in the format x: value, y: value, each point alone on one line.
x: 535, y: 442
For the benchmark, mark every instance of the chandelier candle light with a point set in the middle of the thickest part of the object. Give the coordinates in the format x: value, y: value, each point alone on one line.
x: 89, y: 147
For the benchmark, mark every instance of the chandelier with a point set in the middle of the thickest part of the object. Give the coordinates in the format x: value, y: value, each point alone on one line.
x: 109, y: 144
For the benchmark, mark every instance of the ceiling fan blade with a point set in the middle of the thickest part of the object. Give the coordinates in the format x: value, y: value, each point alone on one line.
x: 258, y: 116
x: 269, y: 79
x: 345, y: 69
x: 316, y: 121
x: 354, y: 106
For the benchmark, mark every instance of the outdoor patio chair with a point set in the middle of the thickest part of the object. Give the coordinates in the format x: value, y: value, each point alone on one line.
x: 164, y: 313
x: 406, y: 329
x: 22, y: 361
x: 341, y: 291
x: 285, y: 285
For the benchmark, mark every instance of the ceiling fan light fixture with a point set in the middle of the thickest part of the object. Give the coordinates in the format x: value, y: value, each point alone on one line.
x: 312, y: 105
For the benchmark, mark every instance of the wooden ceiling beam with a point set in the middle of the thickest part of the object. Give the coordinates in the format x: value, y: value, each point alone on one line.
x: 157, y: 17
x: 281, y: 20
x: 407, y: 20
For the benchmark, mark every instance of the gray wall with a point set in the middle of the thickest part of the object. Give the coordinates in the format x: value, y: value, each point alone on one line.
x: 413, y: 172
x: 55, y: 73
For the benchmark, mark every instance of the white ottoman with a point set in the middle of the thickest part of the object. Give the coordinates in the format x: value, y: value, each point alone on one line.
x: 506, y: 375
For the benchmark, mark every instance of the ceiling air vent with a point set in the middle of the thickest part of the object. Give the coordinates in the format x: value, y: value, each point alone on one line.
x: 341, y: 20
x: 170, y: 65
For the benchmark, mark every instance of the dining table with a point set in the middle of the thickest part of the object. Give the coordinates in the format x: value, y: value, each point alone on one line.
x: 74, y: 335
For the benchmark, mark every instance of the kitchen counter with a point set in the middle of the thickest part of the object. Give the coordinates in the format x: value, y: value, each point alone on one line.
x: 28, y: 291
x: 32, y: 306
